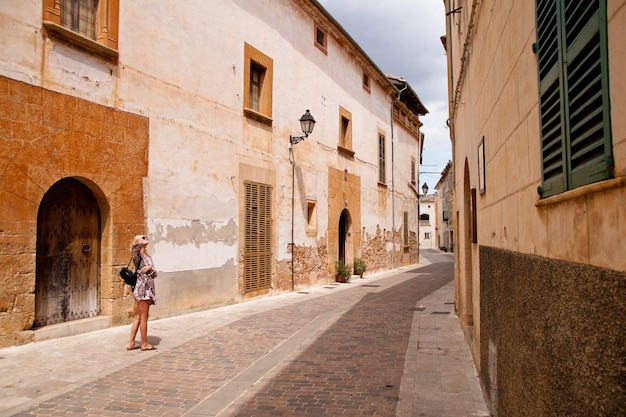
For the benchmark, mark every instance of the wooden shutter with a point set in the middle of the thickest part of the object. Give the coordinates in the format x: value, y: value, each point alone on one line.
x: 587, y: 91
x: 258, y: 246
x: 550, y: 97
x: 382, y: 178
x: 574, y: 93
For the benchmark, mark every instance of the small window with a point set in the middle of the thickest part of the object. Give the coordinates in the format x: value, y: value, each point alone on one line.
x: 413, y: 170
x: 345, y: 130
x: 91, y: 24
x: 79, y: 16
x: 406, y: 229
x: 382, y: 159
x: 320, y: 38
x: 427, y: 235
x: 424, y: 217
x: 256, y: 76
x: 366, y: 82
x: 258, y: 80
x: 311, y: 215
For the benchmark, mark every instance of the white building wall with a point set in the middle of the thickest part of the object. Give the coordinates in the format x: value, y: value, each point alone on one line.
x: 428, y: 228
x: 181, y: 66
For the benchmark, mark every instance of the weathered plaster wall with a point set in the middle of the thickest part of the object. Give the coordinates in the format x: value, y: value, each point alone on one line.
x: 179, y: 71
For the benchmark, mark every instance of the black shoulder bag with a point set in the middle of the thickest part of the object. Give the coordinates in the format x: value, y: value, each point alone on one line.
x: 129, y: 276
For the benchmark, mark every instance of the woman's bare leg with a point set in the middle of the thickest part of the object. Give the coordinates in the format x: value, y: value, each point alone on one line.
x: 133, y: 332
x: 143, y: 309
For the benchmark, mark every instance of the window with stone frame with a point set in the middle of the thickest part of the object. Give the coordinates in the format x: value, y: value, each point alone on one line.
x: 345, y: 132
x: 258, y: 84
x: 91, y: 24
x: 382, y: 159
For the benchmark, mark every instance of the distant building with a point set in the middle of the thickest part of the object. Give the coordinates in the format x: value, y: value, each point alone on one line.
x: 444, y: 199
x: 428, y: 222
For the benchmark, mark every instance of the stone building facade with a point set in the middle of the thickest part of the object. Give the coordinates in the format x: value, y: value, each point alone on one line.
x: 539, y: 146
x: 444, y: 201
x: 174, y: 120
x: 428, y: 222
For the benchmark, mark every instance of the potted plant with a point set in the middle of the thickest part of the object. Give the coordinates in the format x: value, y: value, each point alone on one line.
x: 359, y: 266
x: 343, y: 271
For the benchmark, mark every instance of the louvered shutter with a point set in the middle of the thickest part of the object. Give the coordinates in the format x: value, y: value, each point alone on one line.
x: 587, y: 92
x: 257, y: 246
x: 550, y: 97
x: 574, y: 93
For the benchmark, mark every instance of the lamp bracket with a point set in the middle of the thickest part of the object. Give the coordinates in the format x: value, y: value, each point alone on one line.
x: 296, y: 139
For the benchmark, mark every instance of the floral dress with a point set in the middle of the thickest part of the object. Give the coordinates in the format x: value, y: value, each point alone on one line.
x: 144, y: 289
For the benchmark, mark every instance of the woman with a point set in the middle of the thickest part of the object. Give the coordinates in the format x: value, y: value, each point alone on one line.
x: 144, y: 292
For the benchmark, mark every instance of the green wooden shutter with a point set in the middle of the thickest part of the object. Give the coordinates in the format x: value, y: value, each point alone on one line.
x: 550, y: 96
x: 574, y: 93
x: 587, y: 92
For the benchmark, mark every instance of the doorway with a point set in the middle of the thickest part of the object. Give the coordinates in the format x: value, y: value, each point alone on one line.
x: 68, y: 254
x: 344, y: 237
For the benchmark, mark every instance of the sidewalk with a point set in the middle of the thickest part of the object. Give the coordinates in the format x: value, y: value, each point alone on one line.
x: 331, y: 350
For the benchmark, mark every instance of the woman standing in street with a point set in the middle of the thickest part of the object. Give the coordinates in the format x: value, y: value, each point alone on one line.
x: 143, y: 292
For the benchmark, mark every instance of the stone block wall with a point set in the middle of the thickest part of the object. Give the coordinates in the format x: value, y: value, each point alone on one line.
x: 46, y: 136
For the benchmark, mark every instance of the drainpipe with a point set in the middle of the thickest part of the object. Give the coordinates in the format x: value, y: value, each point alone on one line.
x: 293, y: 182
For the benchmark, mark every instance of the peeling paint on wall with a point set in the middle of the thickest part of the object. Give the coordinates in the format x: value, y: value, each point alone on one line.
x: 196, y: 233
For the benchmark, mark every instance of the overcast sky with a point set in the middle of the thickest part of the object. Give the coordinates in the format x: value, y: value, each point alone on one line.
x: 403, y: 38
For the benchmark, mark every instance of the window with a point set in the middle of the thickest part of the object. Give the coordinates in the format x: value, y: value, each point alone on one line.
x: 413, y: 170
x: 258, y: 237
x: 79, y: 16
x: 366, y: 82
x: 424, y: 217
x: 91, y: 24
x: 405, y: 236
x: 574, y: 94
x: 311, y: 215
x: 258, y: 80
x: 381, y: 159
x: 427, y: 235
x: 321, y: 39
x: 256, y: 75
x: 345, y: 131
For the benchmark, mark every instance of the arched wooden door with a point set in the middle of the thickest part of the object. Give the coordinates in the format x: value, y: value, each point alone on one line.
x: 68, y: 254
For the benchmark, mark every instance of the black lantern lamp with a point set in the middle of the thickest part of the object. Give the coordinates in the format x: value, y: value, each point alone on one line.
x: 425, y: 188
x: 307, y: 122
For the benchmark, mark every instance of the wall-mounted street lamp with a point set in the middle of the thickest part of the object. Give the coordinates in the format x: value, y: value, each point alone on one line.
x: 307, y: 123
x: 425, y: 188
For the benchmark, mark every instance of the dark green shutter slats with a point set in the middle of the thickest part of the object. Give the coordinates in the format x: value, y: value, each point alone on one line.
x: 553, y: 151
x: 575, y: 127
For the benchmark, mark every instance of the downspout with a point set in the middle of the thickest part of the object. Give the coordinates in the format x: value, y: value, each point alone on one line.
x: 393, y: 187
x: 293, y: 182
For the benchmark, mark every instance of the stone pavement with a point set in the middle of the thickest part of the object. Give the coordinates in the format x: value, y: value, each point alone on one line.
x: 385, y: 345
